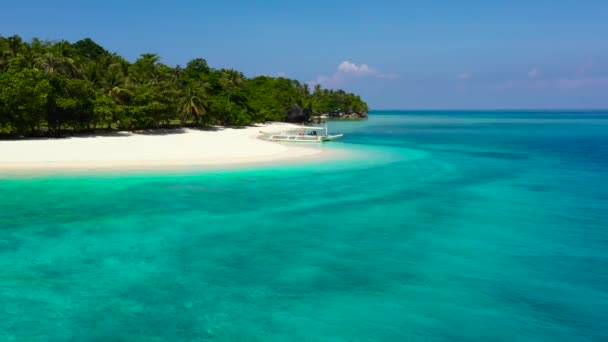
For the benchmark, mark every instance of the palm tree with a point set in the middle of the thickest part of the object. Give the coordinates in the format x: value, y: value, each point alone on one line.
x: 28, y: 57
x: 92, y: 72
x: 120, y: 95
x: 175, y: 75
x: 16, y: 50
x: 193, y: 103
x: 146, y: 69
x: 113, y: 77
x: 114, y: 84
x: 52, y: 64
x: 15, y: 44
x: 231, y: 80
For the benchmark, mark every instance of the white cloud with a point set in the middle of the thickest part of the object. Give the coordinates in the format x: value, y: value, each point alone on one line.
x: 348, y: 67
x: 534, y: 73
x: 282, y: 74
x: 349, y: 70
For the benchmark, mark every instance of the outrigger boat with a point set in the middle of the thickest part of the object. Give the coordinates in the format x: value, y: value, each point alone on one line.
x: 303, y: 134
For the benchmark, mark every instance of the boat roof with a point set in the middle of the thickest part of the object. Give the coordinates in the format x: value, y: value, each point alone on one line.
x: 308, y: 127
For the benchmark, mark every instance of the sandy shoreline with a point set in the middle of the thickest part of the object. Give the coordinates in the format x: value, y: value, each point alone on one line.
x: 125, y: 150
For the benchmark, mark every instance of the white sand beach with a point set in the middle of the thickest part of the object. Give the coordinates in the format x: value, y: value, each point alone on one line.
x: 188, y: 147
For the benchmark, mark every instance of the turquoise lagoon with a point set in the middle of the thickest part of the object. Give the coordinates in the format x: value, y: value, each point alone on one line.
x: 441, y: 226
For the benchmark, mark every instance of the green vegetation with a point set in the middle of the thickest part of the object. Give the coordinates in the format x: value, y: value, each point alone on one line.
x: 58, y: 88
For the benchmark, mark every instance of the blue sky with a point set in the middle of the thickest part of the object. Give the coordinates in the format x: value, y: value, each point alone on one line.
x: 396, y: 54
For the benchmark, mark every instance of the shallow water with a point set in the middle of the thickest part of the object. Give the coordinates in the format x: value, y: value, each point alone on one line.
x: 473, y: 226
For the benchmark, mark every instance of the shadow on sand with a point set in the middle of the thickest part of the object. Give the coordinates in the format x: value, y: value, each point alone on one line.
x: 96, y: 134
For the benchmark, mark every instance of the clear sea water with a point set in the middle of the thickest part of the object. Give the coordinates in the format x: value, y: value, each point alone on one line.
x: 443, y: 226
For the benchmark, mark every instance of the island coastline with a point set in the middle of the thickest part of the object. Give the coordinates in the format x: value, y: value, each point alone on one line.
x: 186, y: 148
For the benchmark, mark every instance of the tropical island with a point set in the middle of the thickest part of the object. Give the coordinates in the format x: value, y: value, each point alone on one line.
x: 101, y: 110
x: 61, y: 88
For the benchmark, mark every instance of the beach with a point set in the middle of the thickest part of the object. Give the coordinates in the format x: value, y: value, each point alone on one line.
x: 217, y: 146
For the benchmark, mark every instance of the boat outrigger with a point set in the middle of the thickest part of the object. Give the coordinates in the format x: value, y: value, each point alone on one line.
x: 303, y: 134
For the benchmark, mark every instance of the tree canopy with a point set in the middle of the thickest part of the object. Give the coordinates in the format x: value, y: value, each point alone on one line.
x: 58, y: 87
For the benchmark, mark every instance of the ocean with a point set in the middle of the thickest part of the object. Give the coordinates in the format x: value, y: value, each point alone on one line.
x: 440, y: 226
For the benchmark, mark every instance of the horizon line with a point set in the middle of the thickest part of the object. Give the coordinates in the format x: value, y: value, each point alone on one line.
x: 493, y: 109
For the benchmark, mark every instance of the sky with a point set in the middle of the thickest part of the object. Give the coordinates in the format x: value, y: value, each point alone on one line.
x: 465, y: 54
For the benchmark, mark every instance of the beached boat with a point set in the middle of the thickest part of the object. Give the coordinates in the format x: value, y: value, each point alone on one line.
x: 303, y: 134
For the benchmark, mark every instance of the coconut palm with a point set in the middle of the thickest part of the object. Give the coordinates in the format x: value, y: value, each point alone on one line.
x: 28, y: 57
x: 15, y: 44
x: 193, y: 103
x: 120, y: 95
x: 231, y: 80
x: 146, y: 69
x: 92, y: 72
x: 175, y: 75
x: 51, y: 64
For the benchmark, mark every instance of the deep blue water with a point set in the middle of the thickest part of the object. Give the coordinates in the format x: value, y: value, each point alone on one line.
x: 442, y: 226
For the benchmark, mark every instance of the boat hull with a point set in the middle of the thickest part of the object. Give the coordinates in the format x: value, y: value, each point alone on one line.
x: 303, y: 138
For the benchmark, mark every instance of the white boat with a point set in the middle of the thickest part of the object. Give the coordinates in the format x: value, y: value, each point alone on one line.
x: 303, y: 134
